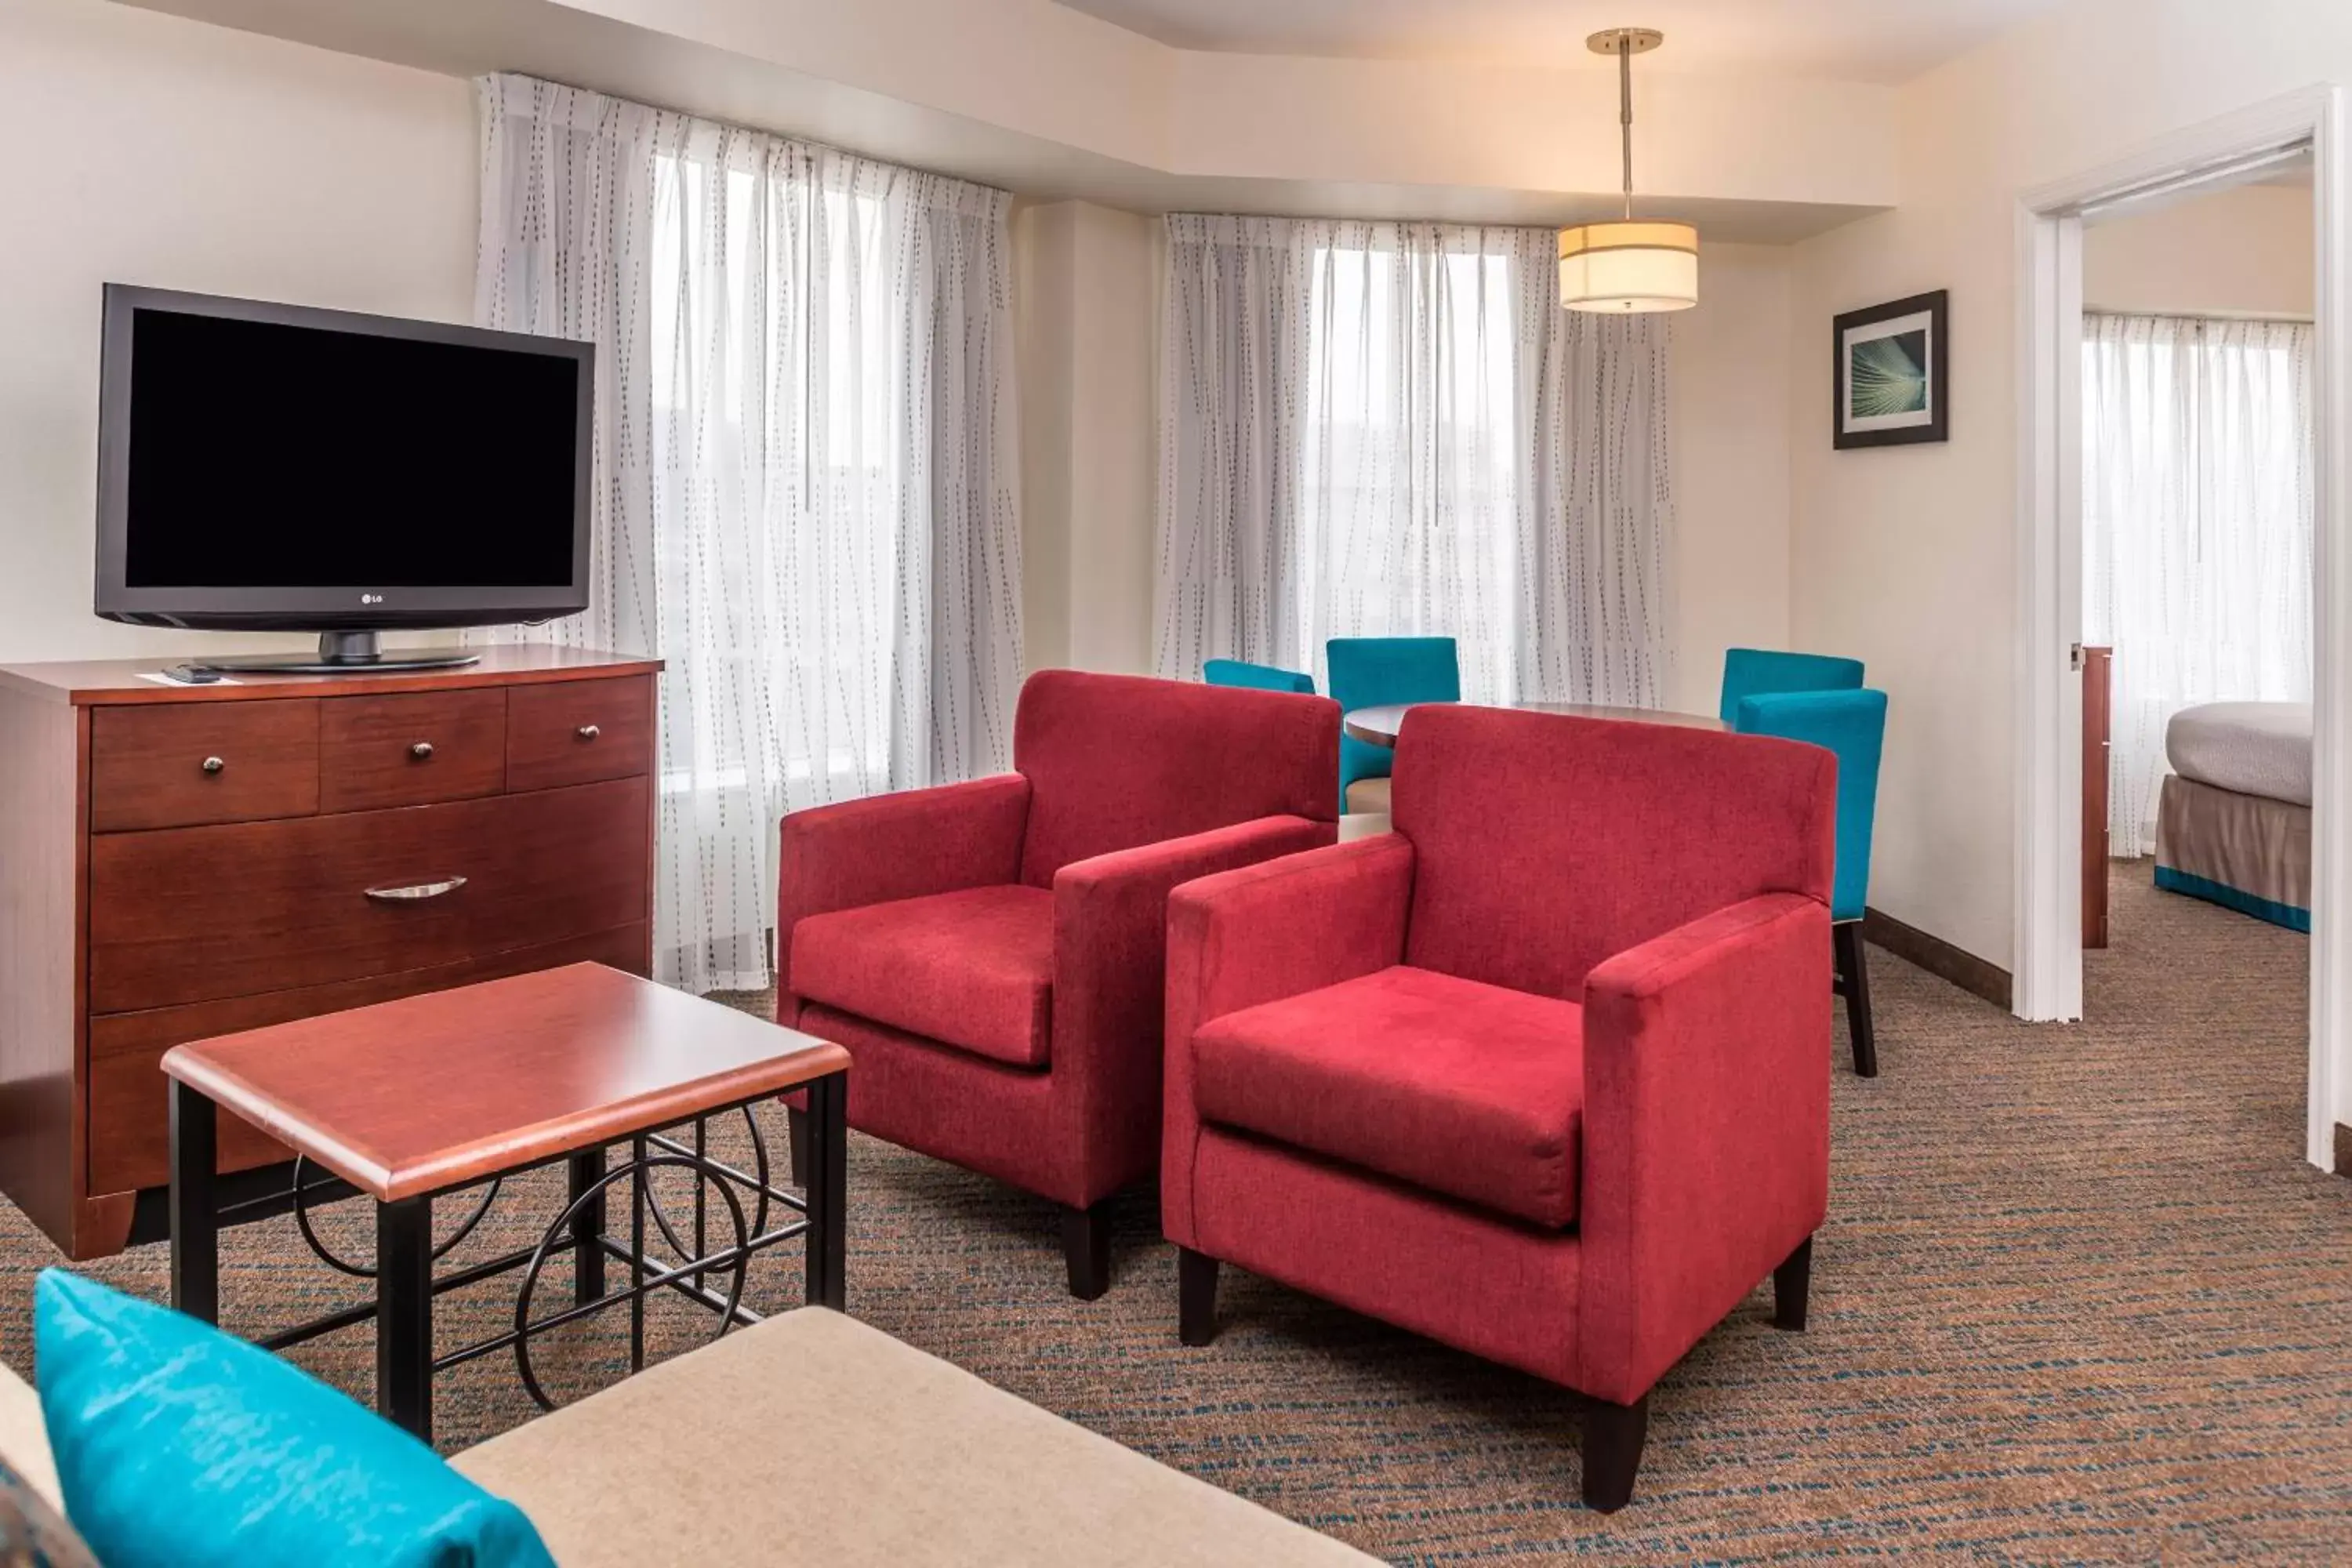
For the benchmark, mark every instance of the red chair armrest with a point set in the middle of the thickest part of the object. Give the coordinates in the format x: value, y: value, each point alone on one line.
x: 1706, y: 1129
x: 900, y: 846
x: 1258, y: 935
x: 1110, y: 951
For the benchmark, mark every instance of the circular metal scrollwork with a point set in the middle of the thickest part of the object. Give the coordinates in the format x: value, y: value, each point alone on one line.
x: 660, y: 1218
x: 362, y: 1271
x: 561, y: 1232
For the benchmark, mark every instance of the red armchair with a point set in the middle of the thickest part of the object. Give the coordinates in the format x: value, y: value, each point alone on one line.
x: 993, y: 954
x: 1544, y: 1074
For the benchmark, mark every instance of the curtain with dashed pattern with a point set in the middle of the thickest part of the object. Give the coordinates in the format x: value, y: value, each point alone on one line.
x: 805, y: 470
x: 1376, y: 429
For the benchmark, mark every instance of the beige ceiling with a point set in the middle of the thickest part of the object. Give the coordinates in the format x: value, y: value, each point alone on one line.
x: 834, y: 89
x: 1853, y: 40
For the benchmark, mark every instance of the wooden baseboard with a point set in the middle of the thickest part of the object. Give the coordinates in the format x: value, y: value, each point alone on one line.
x: 2343, y: 1149
x: 1938, y: 958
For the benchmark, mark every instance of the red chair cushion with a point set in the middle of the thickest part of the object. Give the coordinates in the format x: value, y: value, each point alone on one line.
x: 1543, y: 845
x: 1115, y: 761
x: 1459, y: 1087
x: 972, y: 969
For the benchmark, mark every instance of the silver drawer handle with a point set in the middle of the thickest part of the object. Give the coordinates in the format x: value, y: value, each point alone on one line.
x: 414, y: 890
x: 420, y: 750
x: 213, y: 764
x: 587, y: 732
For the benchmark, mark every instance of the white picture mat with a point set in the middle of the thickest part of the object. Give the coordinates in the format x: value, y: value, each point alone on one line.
x: 1894, y: 326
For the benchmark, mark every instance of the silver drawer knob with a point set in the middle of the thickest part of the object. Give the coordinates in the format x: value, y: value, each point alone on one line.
x: 213, y: 764
x: 422, y: 750
x: 588, y: 732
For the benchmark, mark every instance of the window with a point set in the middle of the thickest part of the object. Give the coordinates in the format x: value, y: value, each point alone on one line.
x: 2196, y: 528
x: 1394, y: 429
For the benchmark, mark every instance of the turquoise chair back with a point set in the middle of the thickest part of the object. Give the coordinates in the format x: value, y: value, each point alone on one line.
x: 1256, y: 677
x: 1852, y: 724
x: 1371, y: 672
x: 1755, y: 671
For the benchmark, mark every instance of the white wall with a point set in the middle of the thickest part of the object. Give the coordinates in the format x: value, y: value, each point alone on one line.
x: 1731, y: 465
x: 1086, y: 324
x: 1905, y: 556
x: 144, y: 149
x: 1908, y: 556
x: 2243, y: 251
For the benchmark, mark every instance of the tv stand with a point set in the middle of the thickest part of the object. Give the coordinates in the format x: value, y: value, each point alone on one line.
x: 341, y: 653
x: 181, y: 861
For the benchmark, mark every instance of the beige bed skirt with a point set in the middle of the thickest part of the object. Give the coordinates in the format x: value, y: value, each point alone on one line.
x: 2248, y: 852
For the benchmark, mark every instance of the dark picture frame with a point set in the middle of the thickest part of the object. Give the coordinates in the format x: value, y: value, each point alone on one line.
x: 1903, y: 374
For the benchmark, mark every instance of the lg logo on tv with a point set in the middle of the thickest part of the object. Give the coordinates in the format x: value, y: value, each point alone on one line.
x: 371, y: 599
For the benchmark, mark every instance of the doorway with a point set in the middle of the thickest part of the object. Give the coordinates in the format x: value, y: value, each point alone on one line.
x: 2196, y: 528
x: 2304, y: 130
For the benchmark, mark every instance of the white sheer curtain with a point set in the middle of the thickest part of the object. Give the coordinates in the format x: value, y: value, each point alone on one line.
x: 1375, y: 429
x: 2196, y: 528
x: 805, y: 468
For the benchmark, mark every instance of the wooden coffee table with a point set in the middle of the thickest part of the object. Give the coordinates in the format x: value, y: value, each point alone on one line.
x: 409, y: 1100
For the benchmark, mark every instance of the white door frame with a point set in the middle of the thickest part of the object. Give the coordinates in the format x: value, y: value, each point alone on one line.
x: 2048, y: 961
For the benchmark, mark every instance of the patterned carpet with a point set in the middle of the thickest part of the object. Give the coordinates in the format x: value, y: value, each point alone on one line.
x: 2078, y: 1300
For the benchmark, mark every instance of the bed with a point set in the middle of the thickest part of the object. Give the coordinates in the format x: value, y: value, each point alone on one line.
x: 2234, y: 822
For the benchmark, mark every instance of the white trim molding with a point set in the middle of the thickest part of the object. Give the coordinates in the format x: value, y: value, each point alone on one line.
x: 2048, y: 958
x: 2331, y: 741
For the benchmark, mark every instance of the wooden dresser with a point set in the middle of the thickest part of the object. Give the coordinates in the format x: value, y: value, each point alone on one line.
x: 182, y: 861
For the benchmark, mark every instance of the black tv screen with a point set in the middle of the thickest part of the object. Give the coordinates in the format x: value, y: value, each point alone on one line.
x: 270, y: 465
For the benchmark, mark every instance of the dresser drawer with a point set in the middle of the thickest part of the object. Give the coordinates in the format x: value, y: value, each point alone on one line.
x: 179, y: 763
x: 197, y: 913
x: 130, y: 1139
x: 411, y: 749
x: 576, y: 732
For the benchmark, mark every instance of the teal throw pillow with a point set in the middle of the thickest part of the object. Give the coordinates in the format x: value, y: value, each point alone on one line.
x: 181, y: 1447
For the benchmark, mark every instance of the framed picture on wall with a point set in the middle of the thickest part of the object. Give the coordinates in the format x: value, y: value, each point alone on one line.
x: 1893, y: 373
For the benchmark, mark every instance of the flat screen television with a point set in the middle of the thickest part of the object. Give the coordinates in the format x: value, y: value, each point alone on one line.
x: 275, y: 467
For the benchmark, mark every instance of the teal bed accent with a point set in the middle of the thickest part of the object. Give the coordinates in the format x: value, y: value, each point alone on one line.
x: 2230, y: 898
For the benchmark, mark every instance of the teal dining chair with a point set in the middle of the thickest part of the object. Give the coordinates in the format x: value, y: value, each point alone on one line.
x: 1852, y: 724
x: 1755, y: 671
x: 1256, y: 677
x: 1372, y: 672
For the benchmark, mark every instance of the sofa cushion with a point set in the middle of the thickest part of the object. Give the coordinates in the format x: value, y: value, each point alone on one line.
x: 812, y: 1438
x: 33, y: 1533
x: 1459, y: 1087
x: 25, y: 1441
x: 972, y: 969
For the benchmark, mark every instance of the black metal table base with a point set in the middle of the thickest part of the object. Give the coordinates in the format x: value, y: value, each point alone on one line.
x: 405, y: 1252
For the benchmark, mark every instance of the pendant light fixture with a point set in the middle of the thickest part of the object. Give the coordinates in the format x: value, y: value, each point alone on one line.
x: 1627, y: 267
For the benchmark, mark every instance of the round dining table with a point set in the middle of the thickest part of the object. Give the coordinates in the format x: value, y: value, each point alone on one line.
x: 1377, y: 726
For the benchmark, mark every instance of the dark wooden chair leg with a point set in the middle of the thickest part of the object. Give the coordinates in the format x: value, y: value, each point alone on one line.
x: 1790, y: 1282
x: 1854, y: 980
x: 803, y: 1142
x: 1086, y: 1248
x: 1613, y: 1434
x: 1196, y: 1296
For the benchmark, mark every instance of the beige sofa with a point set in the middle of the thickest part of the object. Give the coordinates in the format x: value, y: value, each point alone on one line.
x: 814, y: 1439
